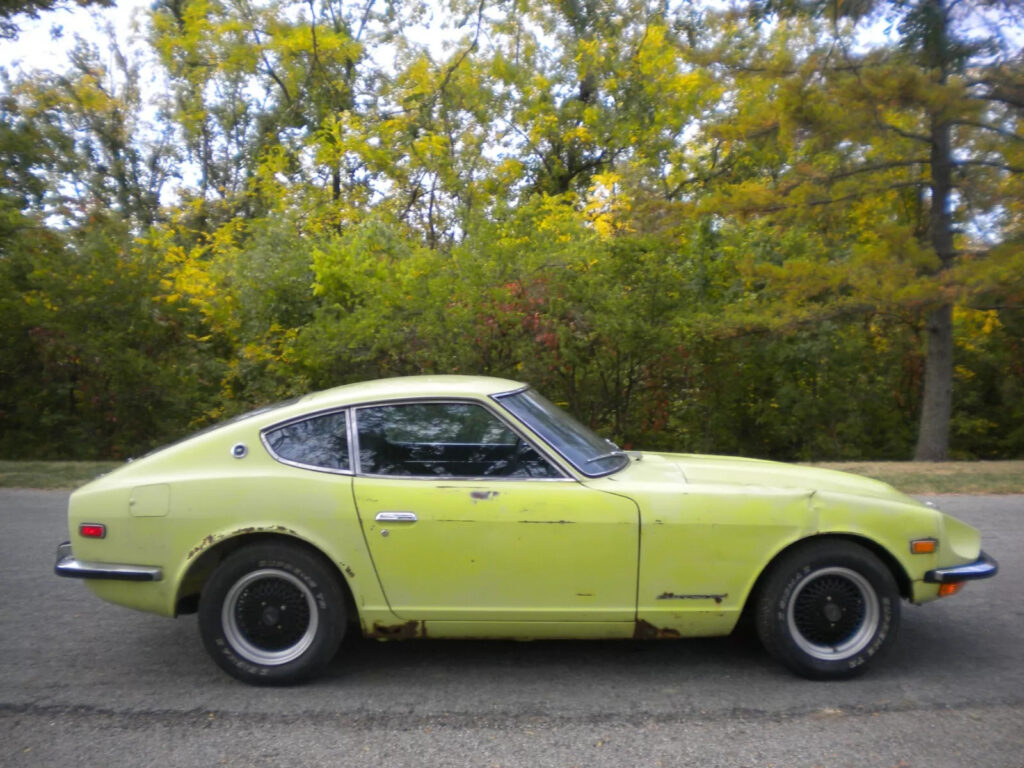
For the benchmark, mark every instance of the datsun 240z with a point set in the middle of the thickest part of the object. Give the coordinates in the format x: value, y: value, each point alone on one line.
x: 470, y: 507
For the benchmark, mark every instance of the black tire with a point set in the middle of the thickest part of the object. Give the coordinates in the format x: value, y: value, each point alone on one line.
x: 828, y: 608
x: 244, y: 617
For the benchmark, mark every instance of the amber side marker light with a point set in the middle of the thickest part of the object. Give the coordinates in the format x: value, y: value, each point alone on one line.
x: 923, y: 546
x: 92, y: 530
x: 950, y: 588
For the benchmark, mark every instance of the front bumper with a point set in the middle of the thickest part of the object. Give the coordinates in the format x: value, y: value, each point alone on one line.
x: 68, y: 566
x: 983, y: 568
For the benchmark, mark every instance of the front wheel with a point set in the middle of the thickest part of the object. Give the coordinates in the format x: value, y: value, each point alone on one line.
x: 827, y: 609
x: 272, y: 614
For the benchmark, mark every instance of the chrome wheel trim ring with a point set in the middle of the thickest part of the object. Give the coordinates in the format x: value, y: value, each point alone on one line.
x: 859, y: 638
x: 238, y: 638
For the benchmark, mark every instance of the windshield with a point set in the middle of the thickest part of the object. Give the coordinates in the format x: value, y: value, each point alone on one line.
x: 590, y: 454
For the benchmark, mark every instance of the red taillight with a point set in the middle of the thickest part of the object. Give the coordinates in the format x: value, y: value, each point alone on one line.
x: 92, y: 530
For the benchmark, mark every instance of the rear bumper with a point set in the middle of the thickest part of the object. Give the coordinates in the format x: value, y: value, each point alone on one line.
x: 983, y: 568
x: 68, y: 566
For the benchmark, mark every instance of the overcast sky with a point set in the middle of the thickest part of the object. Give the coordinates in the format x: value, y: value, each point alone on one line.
x: 37, y: 48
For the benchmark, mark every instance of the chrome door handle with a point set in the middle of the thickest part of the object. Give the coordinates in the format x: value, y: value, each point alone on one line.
x: 396, y: 517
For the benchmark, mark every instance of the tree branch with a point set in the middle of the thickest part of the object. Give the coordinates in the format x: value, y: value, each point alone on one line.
x: 834, y: 200
x: 469, y: 49
x: 900, y: 132
x: 877, y: 167
x: 364, y: 20
x: 671, y: 193
x: 986, y: 127
x: 988, y: 164
x: 1004, y: 93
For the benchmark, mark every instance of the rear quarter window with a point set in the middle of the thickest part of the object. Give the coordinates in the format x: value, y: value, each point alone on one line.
x: 319, y: 441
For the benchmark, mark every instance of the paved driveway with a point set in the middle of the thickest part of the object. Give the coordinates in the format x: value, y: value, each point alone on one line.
x: 87, y: 684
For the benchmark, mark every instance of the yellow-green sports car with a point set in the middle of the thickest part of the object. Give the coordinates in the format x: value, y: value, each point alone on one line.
x: 470, y: 507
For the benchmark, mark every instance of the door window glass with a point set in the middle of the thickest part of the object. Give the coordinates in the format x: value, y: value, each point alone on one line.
x: 443, y: 440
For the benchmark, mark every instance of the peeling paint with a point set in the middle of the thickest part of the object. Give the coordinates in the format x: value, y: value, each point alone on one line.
x: 211, y: 539
x: 647, y: 631
x: 206, y: 543
x: 584, y: 594
x: 407, y: 631
x: 482, y: 495
x: 348, y: 570
x: 672, y: 596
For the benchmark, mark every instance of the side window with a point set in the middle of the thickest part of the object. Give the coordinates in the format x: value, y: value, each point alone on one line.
x: 321, y: 441
x: 443, y: 440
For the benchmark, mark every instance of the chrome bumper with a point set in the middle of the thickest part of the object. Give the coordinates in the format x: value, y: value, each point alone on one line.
x: 68, y: 566
x: 982, y: 568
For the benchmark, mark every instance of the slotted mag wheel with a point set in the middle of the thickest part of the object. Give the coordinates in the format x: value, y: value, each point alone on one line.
x: 833, y: 613
x: 270, y: 617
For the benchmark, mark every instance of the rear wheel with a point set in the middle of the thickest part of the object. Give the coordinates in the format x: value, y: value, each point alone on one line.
x: 272, y: 614
x: 827, y: 609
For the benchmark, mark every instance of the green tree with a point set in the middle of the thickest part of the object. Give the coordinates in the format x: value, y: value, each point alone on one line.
x: 897, y: 159
x: 695, y: 228
x: 95, y: 152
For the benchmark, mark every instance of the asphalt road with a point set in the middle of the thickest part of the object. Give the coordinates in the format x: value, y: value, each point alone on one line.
x: 85, y: 684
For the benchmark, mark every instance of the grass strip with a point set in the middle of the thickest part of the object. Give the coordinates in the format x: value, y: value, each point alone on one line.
x: 52, y: 475
x: 919, y: 477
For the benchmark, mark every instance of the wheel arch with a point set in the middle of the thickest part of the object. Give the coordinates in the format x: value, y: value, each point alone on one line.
x: 903, y: 582
x: 198, y: 572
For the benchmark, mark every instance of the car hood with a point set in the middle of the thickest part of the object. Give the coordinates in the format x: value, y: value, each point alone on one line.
x: 692, y: 469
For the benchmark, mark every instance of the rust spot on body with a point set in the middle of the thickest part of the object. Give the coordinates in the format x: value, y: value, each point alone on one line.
x: 672, y: 596
x: 482, y: 495
x: 211, y: 539
x: 410, y: 630
x: 204, y: 544
x: 261, y: 529
x: 646, y: 631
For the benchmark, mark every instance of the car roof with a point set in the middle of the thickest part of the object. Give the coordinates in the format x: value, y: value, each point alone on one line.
x: 376, y: 391
x: 408, y: 387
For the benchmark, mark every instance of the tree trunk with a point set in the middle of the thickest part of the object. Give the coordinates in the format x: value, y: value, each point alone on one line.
x: 937, y: 408
x: 937, y: 405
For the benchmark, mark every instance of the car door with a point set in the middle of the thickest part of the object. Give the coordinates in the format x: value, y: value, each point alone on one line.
x: 467, y: 521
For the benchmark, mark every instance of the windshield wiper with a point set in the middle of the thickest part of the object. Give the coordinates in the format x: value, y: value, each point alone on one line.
x: 608, y: 455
